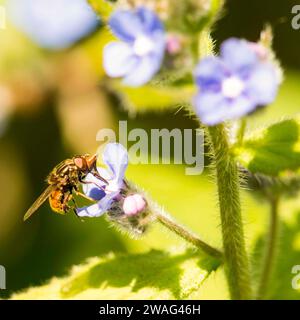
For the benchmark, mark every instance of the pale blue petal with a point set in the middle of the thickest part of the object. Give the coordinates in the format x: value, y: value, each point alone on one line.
x: 210, y: 108
x: 90, y: 211
x: 115, y: 156
x: 239, y: 107
x: 213, y: 109
x: 149, y: 20
x: 98, y: 209
x: 144, y: 71
x: 238, y: 55
x: 126, y: 25
x: 92, y: 187
x: 209, y: 73
x: 263, y: 84
x: 118, y: 59
x: 53, y: 24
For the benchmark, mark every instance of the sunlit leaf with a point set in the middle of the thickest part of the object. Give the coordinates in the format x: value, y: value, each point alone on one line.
x: 272, y: 150
x: 152, y: 275
x: 154, y: 98
x: 284, y: 283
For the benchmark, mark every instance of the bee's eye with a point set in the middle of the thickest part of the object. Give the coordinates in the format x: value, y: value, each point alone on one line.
x: 80, y: 163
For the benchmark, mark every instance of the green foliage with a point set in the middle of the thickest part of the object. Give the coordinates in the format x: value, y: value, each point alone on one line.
x: 153, y: 98
x: 152, y: 275
x: 288, y: 256
x: 272, y: 150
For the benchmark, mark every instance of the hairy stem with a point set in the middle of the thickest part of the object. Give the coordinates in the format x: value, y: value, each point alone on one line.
x: 270, y: 250
x: 241, y: 131
x: 181, y: 231
x: 235, y: 256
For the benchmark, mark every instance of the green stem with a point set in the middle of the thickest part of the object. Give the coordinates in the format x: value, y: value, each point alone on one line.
x: 181, y: 231
x: 270, y: 250
x: 241, y: 131
x: 235, y: 256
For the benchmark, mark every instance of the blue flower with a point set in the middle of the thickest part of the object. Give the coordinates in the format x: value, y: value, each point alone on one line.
x: 54, y: 24
x: 115, y: 156
x: 139, y: 54
x: 234, y: 84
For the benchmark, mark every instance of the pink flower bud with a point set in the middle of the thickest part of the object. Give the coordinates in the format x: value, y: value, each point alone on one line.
x: 134, y: 204
x: 173, y: 44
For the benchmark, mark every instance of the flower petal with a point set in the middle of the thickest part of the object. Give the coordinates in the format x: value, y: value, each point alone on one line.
x: 144, y: 71
x: 263, y: 84
x: 238, y: 55
x: 91, y: 187
x: 97, y: 209
x: 239, y: 107
x: 210, y: 72
x: 149, y: 20
x: 208, y: 107
x: 115, y: 156
x: 118, y: 59
x: 125, y: 24
x: 53, y: 24
x: 90, y: 211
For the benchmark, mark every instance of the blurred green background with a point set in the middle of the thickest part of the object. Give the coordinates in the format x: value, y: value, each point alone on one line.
x: 52, y: 105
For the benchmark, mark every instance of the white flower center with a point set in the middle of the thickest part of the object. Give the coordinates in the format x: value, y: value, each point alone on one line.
x: 232, y: 87
x: 143, y: 45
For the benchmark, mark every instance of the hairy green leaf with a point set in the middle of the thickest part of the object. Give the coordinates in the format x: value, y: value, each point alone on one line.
x: 285, y: 283
x: 152, y: 275
x: 272, y: 150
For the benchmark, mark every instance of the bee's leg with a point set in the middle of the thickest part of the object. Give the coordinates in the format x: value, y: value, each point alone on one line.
x: 90, y: 182
x: 74, y: 207
x: 97, y: 175
x: 80, y: 194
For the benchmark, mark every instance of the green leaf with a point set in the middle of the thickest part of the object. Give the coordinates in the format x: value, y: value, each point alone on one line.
x: 152, y: 275
x: 103, y: 8
x: 272, y: 150
x: 288, y: 250
x: 154, y: 98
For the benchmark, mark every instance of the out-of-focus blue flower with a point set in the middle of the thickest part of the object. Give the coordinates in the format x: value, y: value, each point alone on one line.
x: 139, y: 54
x: 115, y: 156
x: 234, y: 84
x: 53, y: 24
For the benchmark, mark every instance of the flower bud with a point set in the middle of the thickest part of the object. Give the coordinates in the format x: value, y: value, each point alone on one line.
x: 134, y: 204
x: 130, y: 212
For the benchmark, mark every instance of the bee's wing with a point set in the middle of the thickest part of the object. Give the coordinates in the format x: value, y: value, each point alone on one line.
x: 39, y: 201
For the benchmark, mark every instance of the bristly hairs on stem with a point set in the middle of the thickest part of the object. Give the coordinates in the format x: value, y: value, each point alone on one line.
x: 228, y: 182
x: 167, y: 221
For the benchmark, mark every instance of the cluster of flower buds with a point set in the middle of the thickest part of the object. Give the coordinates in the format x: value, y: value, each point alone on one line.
x: 177, y: 15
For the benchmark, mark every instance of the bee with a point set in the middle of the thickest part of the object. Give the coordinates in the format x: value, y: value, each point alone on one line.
x: 62, y: 181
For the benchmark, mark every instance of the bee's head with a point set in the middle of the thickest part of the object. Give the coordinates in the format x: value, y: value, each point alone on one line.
x: 85, y: 163
x: 88, y: 164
